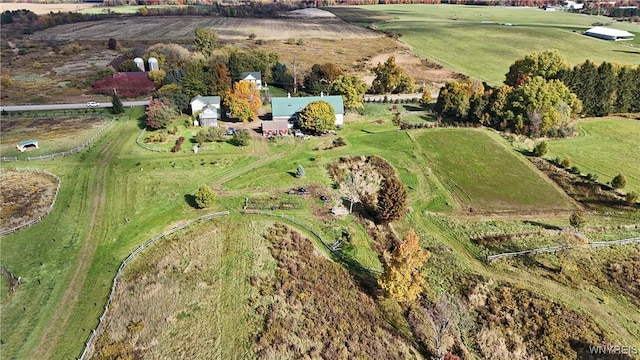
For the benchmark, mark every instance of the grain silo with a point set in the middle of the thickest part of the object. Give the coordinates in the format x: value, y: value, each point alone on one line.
x: 140, y: 63
x: 153, y: 64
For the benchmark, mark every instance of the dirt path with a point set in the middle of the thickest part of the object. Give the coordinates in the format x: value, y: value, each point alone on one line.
x: 69, y: 299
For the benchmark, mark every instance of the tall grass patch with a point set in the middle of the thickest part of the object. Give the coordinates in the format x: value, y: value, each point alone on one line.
x: 190, y: 295
x: 486, y: 176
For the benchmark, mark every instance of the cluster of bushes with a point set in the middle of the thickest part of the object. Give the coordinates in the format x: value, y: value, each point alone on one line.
x: 331, y: 319
x: 156, y: 137
x: 544, y: 327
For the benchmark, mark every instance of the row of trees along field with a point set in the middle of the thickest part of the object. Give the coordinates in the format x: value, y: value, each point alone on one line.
x: 542, y: 93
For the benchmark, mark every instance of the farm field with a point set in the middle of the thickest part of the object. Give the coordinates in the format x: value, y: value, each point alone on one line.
x: 180, y: 29
x: 440, y: 33
x: 469, y: 161
x: 116, y: 195
x: 605, y: 147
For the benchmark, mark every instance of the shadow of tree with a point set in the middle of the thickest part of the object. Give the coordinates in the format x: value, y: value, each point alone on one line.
x: 191, y: 200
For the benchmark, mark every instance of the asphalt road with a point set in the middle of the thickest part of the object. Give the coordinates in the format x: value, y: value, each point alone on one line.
x: 70, y: 106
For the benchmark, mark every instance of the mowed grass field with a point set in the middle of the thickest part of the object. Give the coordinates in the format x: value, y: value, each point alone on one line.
x: 605, y: 147
x: 455, y: 36
x: 485, y: 175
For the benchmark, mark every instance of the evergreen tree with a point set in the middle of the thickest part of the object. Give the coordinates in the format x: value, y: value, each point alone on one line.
x: 583, y: 82
x: 392, y: 199
x: 116, y: 104
x: 403, y: 278
x: 606, y: 83
x: 624, y: 90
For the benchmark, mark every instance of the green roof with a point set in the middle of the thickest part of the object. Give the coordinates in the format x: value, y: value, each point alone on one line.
x: 28, y: 142
x: 289, y: 106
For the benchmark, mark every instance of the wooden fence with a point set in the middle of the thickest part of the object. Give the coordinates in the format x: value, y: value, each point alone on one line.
x: 554, y: 249
x: 39, y: 218
x: 126, y: 261
x: 74, y: 150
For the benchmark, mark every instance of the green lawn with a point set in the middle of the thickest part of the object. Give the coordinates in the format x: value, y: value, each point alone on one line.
x: 484, y: 174
x: 441, y: 33
x: 605, y: 147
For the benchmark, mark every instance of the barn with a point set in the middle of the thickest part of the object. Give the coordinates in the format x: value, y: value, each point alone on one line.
x: 287, y: 108
x: 605, y: 33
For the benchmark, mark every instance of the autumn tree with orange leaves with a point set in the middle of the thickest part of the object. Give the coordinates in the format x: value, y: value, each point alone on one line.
x: 243, y: 102
x: 403, y: 278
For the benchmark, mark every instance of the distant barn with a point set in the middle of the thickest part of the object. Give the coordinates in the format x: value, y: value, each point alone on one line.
x: 609, y: 34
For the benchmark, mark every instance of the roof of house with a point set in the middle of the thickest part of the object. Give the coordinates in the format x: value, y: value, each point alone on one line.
x: 255, y: 74
x: 275, y: 125
x: 609, y: 32
x: 288, y: 106
x: 206, y: 99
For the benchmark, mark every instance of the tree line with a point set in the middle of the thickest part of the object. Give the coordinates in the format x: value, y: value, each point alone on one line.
x: 542, y: 94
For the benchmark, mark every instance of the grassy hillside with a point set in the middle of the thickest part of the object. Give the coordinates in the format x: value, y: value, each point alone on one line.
x: 440, y: 33
x: 486, y: 176
x: 116, y: 195
x: 605, y: 147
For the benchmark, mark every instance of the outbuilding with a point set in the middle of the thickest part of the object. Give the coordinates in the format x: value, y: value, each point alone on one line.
x: 27, y: 145
x: 278, y: 127
x: 606, y: 33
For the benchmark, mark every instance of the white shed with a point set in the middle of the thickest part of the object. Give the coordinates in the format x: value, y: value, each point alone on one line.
x: 606, y: 33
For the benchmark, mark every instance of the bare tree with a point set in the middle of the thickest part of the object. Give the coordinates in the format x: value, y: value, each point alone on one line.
x: 437, y: 322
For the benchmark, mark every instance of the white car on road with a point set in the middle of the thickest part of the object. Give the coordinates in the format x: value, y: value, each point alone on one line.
x: 93, y: 104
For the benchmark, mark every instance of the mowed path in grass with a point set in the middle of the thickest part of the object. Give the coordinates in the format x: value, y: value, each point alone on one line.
x: 486, y: 176
x: 456, y: 37
x: 605, y: 147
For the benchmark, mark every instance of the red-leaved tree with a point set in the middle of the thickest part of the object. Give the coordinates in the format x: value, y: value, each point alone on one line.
x: 130, y: 84
x: 159, y: 114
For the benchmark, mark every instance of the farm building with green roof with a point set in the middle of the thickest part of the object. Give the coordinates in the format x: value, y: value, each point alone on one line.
x: 288, y: 108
